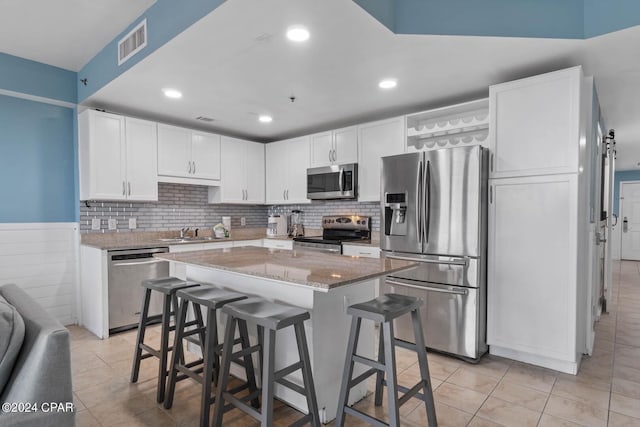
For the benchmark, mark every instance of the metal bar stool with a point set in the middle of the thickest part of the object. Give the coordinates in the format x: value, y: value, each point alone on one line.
x: 168, y: 286
x: 272, y: 317
x: 383, y: 310
x: 206, y: 369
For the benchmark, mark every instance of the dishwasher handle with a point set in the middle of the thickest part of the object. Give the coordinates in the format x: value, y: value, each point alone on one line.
x: 428, y: 288
x: 136, y: 262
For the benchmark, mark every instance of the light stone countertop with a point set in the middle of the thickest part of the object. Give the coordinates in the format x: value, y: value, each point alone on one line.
x: 322, y: 271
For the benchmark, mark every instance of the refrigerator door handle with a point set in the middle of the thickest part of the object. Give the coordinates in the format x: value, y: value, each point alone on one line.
x: 428, y: 288
x: 459, y: 261
x: 427, y: 215
x: 419, y: 204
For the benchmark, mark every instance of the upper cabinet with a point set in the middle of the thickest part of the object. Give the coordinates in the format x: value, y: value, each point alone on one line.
x: 117, y: 157
x: 535, y: 125
x: 243, y: 173
x: 188, y: 157
x: 286, y: 171
x: 376, y: 140
x: 334, y: 147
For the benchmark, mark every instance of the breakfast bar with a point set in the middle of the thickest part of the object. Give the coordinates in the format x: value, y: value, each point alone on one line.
x: 325, y: 284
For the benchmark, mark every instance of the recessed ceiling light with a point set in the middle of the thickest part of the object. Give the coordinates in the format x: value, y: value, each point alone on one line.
x: 298, y: 33
x: 172, y: 93
x: 388, y: 83
x: 265, y: 119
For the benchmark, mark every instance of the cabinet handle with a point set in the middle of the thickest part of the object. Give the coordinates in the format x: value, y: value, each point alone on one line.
x: 129, y: 185
x: 330, y: 155
x: 189, y: 166
x: 284, y: 194
x: 287, y: 194
x: 491, y: 162
x: 491, y: 194
x: 194, y: 167
x: 123, y: 189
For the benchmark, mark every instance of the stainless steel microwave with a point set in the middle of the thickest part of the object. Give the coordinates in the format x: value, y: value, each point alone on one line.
x: 333, y: 182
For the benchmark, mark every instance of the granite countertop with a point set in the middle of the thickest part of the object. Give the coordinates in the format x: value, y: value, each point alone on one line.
x: 135, y: 240
x: 323, y: 271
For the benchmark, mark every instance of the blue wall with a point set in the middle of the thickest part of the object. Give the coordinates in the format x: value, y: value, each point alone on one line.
x: 37, y: 162
x: 619, y: 177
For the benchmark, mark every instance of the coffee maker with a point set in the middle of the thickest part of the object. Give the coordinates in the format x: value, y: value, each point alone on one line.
x: 296, y: 228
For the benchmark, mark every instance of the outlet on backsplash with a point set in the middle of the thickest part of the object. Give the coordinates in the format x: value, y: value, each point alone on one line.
x: 243, y: 221
x: 113, y: 223
x: 133, y: 223
x: 95, y: 224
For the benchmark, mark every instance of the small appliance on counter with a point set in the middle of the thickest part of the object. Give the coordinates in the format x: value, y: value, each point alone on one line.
x: 337, y: 229
x: 296, y: 228
x: 276, y: 226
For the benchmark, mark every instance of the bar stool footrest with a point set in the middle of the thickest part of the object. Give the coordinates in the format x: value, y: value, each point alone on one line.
x: 292, y: 386
x: 369, y: 362
x: 363, y: 376
x: 364, y: 417
x: 286, y: 371
x: 234, y: 402
x: 302, y: 421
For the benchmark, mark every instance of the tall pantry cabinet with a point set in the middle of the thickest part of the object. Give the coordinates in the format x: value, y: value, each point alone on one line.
x: 538, y: 263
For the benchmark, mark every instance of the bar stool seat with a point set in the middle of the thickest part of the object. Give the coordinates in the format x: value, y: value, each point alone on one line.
x: 384, y: 310
x: 206, y: 369
x: 269, y: 317
x: 168, y: 286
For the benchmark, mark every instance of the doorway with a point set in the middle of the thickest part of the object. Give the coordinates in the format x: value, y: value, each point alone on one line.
x: 630, y: 220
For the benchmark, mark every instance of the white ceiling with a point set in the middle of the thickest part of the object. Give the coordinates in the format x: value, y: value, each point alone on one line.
x: 64, y: 33
x: 236, y: 63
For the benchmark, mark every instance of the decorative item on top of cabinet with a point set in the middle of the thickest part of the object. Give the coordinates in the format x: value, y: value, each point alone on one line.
x: 334, y: 147
x: 117, y: 157
x: 243, y: 176
x: 455, y: 125
x: 187, y: 156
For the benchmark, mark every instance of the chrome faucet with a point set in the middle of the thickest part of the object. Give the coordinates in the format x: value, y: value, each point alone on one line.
x: 183, y: 231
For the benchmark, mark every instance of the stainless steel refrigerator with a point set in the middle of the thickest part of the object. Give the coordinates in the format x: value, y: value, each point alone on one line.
x: 434, y: 211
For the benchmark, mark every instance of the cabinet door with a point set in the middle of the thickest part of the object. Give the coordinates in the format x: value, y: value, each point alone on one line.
x: 233, y: 170
x: 376, y: 140
x: 106, y: 141
x: 142, y: 159
x: 174, y: 151
x: 297, y: 163
x: 532, y: 265
x: 254, y: 172
x: 205, y: 155
x: 321, y: 149
x: 535, y: 124
x: 277, y: 157
x: 345, y: 143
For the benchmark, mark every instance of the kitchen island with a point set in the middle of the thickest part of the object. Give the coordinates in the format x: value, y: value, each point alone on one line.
x: 325, y: 284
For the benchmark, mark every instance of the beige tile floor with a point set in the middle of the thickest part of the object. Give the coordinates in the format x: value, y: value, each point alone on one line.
x: 495, y: 392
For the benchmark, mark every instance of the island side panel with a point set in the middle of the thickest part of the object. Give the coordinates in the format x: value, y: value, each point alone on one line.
x: 94, y: 297
x: 331, y: 328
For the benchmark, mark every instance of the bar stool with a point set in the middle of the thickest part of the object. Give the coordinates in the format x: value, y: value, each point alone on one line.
x: 272, y: 317
x: 383, y: 310
x: 205, y: 369
x: 168, y: 286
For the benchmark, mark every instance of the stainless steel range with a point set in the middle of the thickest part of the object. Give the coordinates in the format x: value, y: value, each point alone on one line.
x: 337, y: 229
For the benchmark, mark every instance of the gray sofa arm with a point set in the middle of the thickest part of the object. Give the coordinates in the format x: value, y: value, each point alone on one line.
x: 42, y: 372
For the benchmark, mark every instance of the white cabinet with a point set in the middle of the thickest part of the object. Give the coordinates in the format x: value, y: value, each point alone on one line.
x: 361, y: 251
x: 188, y: 157
x: 376, y: 140
x: 531, y: 306
x: 538, y: 272
x: 117, y: 157
x: 535, y: 124
x: 278, y: 244
x: 243, y: 173
x: 286, y: 171
x: 242, y: 243
x: 334, y: 147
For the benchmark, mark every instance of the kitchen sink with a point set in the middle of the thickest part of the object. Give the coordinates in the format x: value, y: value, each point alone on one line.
x: 186, y: 239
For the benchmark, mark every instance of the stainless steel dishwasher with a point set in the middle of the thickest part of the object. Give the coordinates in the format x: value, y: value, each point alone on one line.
x: 127, y: 269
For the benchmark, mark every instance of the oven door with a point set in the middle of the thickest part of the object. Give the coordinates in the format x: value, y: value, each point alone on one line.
x: 449, y: 316
x: 332, y: 182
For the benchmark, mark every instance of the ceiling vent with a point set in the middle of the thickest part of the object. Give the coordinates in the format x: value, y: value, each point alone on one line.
x: 204, y: 119
x: 132, y: 43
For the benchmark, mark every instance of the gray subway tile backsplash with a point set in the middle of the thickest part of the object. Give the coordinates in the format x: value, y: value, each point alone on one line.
x: 181, y: 205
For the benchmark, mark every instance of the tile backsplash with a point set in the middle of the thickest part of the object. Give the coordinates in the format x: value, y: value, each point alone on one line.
x: 177, y: 206
x: 312, y: 213
x: 186, y: 206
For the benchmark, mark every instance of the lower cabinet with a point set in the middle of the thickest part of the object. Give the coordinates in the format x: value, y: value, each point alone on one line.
x: 533, y: 295
x: 278, y: 244
x: 361, y: 251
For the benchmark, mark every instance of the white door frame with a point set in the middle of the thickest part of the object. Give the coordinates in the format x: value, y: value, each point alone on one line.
x: 621, y: 210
